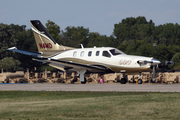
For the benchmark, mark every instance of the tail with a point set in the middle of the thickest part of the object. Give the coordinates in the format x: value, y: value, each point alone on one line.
x: 46, y: 45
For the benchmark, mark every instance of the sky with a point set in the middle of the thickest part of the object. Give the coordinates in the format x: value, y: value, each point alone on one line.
x: 97, y: 15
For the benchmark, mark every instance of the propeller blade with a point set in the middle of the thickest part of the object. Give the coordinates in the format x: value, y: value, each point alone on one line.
x: 169, y: 62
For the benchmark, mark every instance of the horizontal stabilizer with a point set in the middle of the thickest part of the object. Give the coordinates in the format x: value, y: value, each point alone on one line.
x: 33, y: 54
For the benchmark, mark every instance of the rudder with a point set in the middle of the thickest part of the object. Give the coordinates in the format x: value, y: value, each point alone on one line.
x: 44, y: 41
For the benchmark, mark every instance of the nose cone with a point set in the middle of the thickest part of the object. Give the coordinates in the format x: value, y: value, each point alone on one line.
x: 155, y: 62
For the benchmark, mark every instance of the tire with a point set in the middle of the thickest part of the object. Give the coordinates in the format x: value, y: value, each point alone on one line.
x: 153, y: 81
x: 139, y: 81
x: 123, y: 81
x: 84, y: 81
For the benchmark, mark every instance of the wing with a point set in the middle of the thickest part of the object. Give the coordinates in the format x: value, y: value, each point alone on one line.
x: 33, y: 54
x: 75, y: 66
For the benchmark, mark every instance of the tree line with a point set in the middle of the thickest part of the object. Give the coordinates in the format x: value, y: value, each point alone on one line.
x: 134, y: 36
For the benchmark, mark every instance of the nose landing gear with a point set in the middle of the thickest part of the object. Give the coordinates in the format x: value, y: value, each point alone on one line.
x: 137, y: 79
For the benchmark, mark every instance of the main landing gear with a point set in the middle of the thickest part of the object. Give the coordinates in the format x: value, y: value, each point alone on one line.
x: 82, y: 78
x: 83, y: 82
x: 124, y: 79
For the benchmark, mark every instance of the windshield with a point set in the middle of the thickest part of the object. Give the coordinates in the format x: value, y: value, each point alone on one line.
x: 116, y: 52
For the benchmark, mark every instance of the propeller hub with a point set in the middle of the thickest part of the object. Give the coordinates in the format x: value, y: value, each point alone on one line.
x: 155, y: 62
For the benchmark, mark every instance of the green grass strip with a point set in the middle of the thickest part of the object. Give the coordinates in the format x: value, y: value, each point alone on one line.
x: 88, y: 105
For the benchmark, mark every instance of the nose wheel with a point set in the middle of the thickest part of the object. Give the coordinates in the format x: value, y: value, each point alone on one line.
x: 139, y: 81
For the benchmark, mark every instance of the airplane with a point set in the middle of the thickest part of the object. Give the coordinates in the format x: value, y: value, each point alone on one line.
x: 101, y: 60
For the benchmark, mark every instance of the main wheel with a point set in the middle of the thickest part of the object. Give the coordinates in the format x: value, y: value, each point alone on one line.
x: 84, y: 82
x: 123, y: 81
x: 139, y: 81
x: 153, y: 80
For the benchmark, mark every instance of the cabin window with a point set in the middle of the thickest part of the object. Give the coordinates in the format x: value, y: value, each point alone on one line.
x: 75, y: 54
x: 106, y: 54
x: 97, y: 53
x: 89, y: 53
x: 82, y: 54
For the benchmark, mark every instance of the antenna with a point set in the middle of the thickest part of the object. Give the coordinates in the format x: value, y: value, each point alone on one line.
x: 82, y: 46
x: 63, y: 46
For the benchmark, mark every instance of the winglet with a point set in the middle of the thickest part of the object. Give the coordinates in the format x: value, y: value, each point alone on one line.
x: 12, y: 48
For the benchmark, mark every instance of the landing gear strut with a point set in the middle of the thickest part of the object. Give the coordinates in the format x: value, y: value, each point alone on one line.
x: 138, y: 78
x: 154, y: 75
x: 82, y: 78
x: 84, y: 82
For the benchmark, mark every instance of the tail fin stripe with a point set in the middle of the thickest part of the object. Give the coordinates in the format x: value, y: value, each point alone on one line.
x: 39, y: 26
x: 41, y: 34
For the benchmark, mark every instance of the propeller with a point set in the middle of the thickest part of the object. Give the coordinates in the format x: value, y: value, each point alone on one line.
x: 162, y: 64
x: 165, y: 63
x: 154, y: 64
x: 154, y: 67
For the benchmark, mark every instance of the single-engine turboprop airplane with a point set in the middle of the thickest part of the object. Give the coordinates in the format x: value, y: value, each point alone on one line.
x: 85, y: 60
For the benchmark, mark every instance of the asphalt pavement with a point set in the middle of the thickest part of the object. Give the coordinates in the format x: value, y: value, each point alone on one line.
x: 92, y: 87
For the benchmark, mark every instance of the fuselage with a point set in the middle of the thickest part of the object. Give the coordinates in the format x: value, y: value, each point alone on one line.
x: 109, y: 57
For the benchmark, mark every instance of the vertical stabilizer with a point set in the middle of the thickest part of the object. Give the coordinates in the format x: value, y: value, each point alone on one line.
x: 44, y: 41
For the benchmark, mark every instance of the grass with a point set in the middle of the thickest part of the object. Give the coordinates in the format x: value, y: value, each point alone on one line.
x: 88, y: 105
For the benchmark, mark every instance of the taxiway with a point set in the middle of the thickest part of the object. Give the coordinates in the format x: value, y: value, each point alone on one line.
x: 92, y: 87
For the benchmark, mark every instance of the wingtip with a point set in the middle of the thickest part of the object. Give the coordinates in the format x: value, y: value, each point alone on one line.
x: 12, y: 48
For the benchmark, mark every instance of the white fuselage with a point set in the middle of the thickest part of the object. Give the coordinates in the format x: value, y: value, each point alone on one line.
x: 119, y: 62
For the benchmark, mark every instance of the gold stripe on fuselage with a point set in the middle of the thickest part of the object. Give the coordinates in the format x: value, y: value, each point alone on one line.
x: 114, y: 68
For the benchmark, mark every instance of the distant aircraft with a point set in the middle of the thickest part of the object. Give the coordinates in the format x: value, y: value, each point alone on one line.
x: 85, y: 60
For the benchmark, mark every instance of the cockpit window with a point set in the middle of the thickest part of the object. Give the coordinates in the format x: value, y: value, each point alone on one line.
x: 106, y: 54
x: 116, y: 52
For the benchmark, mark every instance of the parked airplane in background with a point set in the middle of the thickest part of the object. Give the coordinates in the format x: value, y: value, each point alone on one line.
x: 85, y: 60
